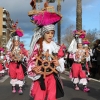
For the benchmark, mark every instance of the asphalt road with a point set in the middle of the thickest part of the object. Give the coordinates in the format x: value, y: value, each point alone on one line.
x: 70, y: 93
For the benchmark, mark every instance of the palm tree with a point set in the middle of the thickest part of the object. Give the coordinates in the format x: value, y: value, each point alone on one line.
x: 51, y: 1
x: 79, y: 15
x: 59, y: 23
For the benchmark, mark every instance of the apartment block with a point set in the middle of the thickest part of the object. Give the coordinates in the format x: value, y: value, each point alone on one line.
x: 5, y: 26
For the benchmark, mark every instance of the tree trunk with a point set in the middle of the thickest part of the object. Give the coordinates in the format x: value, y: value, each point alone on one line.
x: 79, y: 15
x: 59, y: 24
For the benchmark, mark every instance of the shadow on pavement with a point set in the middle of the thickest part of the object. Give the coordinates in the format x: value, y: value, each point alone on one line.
x: 67, y: 83
x: 95, y: 93
x: 77, y: 99
x: 31, y: 98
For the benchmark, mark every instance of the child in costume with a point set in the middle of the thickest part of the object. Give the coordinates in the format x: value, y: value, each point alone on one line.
x: 42, y: 42
x: 16, y: 55
x: 89, y: 54
x: 79, y: 67
x: 40, y: 87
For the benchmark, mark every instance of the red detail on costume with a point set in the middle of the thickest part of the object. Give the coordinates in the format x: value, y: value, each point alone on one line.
x: 61, y: 51
x: 24, y: 52
x: 7, y: 65
x: 77, y: 71
x: 39, y: 94
x: 1, y: 67
x: 16, y: 73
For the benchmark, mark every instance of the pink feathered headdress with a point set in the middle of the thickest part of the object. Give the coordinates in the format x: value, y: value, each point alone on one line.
x: 2, y: 49
x: 46, y: 18
x: 86, y: 41
x: 81, y: 33
x: 19, y: 32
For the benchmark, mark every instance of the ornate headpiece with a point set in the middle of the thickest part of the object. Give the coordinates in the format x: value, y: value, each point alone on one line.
x: 79, y: 40
x: 16, y: 38
x: 16, y: 33
x: 44, y: 19
x: 48, y: 28
x: 81, y: 33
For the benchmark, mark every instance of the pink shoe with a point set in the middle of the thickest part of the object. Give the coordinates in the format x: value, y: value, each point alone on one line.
x: 13, y: 91
x: 20, y: 91
x: 77, y: 88
x: 86, y: 89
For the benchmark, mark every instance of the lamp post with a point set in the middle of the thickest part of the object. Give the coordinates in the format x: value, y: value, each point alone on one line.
x: 79, y: 15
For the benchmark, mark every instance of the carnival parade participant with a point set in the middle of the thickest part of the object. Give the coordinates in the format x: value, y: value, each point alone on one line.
x: 49, y: 83
x: 16, y: 72
x: 2, y: 61
x: 42, y: 44
x: 89, y: 54
x: 73, y: 46
x: 79, y: 68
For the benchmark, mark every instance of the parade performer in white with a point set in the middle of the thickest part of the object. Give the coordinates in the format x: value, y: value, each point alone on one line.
x: 16, y: 56
x: 79, y: 68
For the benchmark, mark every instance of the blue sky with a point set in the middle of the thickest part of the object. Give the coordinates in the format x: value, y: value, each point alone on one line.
x: 19, y: 10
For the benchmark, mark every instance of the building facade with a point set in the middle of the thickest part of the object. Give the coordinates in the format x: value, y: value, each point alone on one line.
x: 5, y: 27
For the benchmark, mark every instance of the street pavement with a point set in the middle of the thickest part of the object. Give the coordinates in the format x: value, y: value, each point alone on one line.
x: 70, y: 93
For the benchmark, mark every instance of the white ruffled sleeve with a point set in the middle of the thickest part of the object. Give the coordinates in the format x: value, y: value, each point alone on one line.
x: 61, y: 68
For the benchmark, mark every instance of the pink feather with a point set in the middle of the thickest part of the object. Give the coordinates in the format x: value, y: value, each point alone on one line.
x: 46, y: 18
x: 19, y: 32
x: 1, y: 49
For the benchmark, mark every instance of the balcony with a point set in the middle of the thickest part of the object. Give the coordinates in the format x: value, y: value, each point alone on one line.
x: 4, y: 30
x: 4, y: 11
x: 3, y: 37
x: 4, y: 45
x: 4, y: 24
x: 4, y: 17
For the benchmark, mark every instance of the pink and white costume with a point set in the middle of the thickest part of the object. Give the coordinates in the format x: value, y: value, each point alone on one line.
x: 48, y: 86
x: 49, y: 81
